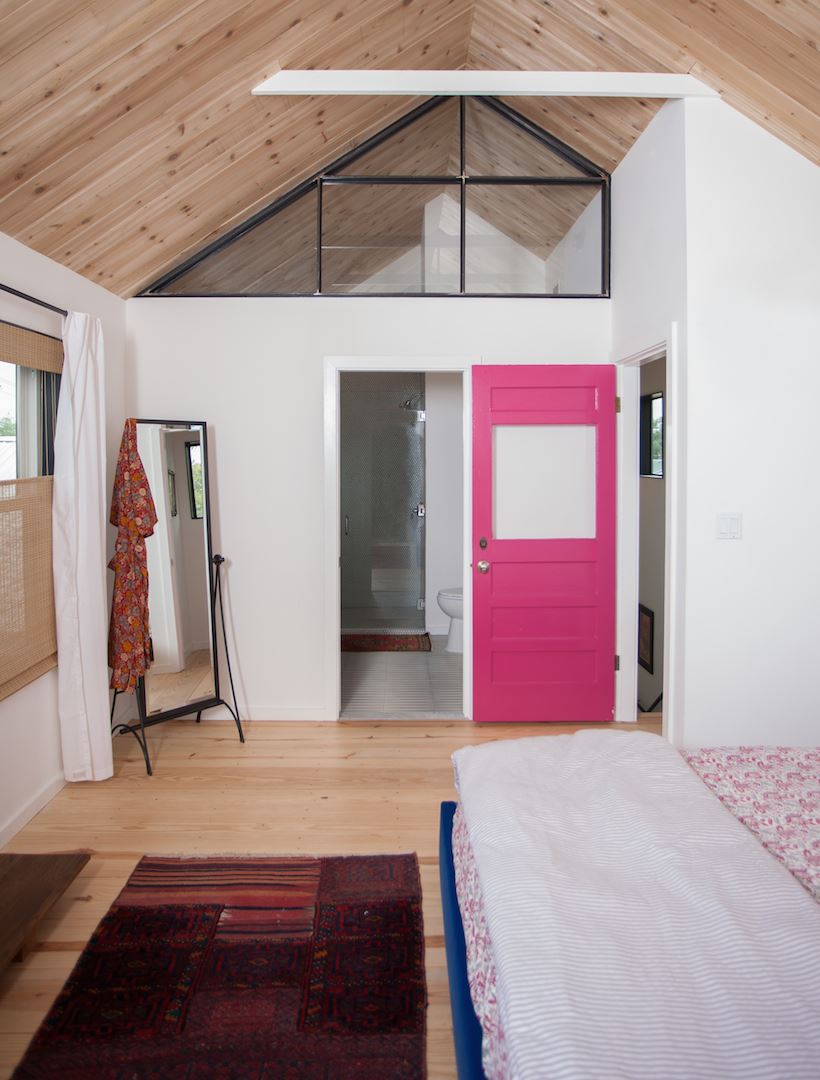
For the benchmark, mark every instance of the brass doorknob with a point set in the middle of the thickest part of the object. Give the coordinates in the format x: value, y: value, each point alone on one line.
x: 483, y: 566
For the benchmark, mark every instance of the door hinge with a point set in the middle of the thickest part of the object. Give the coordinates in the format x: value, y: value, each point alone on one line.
x: 617, y: 404
x: 617, y: 662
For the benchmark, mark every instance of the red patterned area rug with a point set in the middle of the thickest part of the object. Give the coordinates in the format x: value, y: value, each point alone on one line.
x: 386, y: 643
x: 292, y: 968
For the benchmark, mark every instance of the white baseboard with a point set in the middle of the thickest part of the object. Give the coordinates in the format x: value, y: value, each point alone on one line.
x: 439, y: 628
x: 35, y: 804
x: 271, y: 713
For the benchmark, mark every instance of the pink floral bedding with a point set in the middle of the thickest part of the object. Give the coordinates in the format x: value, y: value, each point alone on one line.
x: 480, y: 965
x: 775, y: 792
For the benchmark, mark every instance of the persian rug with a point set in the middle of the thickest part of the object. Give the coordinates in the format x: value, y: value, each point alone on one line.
x: 386, y: 643
x: 259, y: 968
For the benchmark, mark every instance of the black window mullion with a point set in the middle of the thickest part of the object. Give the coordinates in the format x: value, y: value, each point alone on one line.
x: 606, y: 237
x: 319, y: 235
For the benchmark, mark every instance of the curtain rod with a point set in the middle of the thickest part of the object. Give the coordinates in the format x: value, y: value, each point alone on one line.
x: 33, y: 299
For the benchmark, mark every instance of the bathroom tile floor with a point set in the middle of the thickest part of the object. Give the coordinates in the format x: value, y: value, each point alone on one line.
x: 402, y: 686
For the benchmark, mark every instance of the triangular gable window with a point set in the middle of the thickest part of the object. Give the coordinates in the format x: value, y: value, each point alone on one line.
x: 461, y: 197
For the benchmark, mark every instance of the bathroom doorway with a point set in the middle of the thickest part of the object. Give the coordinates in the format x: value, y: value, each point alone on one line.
x: 401, y: 545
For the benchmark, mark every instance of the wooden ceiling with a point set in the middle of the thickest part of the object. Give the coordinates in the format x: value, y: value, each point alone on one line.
x: 129, y: 138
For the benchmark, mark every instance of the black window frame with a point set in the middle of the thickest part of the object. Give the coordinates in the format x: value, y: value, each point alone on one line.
x: 591, y: 174
x: 646, y: 435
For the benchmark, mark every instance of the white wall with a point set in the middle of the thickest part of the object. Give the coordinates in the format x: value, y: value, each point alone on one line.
x: 649, y: 296
x: 649, y: 235
x: 716, y: 229
x: 575, y: 264
x: 444, y: 468
x: 753, y: 372
x: 30, y: 759
x: 253, y: 369
x: 495, y: 262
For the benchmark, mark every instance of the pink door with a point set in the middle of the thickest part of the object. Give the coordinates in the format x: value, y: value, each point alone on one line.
x: 544, y: 543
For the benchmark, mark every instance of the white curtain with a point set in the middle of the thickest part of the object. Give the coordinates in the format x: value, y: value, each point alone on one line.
x: 79, y: 531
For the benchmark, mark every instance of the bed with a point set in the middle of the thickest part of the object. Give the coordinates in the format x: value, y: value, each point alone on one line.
x: 614, y: 910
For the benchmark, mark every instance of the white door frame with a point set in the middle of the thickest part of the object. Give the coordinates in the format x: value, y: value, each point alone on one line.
x: 333, y: 366
x: 629, y: 514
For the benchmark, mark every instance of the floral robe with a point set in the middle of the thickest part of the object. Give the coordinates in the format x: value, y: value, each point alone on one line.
x: 134, y: 514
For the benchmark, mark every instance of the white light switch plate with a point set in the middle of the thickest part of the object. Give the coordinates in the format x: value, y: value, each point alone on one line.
x: 729, y: 526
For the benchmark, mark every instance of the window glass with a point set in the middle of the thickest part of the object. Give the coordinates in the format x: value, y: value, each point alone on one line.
x: 427, y: 147
x: 28, y: 413
x: 496, y: 146
x: 390, y: 238
x: 8, y: 420
x: 528, y: 238
x: 543, y: 481
x: 277, y: 256
x: 652, y: 435
x: 195, y: 479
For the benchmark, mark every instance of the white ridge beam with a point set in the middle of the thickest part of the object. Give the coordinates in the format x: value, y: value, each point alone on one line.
x: 633, y: 84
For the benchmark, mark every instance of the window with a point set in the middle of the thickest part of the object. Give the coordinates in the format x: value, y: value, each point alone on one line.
x: 462, y: 197
x: 193, y: 456
x: 30, y: 365
x: 28, y: 413
x: 652, y: 435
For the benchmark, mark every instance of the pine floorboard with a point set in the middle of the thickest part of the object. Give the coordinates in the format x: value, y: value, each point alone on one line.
x: 293, y: 788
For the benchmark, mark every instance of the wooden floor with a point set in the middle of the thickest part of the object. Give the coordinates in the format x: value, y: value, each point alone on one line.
x: 325, y: 789
x: 194, y: 683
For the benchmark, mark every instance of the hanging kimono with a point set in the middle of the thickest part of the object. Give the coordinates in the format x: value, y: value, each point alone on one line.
x: 134, y: 514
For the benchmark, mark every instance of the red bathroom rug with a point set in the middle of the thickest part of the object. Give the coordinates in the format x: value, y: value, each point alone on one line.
x: 386, y: 643
x: 263, y: 968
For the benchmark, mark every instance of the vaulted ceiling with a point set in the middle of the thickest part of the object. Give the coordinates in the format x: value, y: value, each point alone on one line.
x: 129, y: 138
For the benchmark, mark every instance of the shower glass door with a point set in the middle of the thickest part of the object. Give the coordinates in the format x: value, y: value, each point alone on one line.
x: 382, y: 500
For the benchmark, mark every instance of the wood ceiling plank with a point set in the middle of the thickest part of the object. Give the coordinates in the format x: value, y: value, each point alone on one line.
x: 88, y: 197
x: 139, y: 119
x: 568, y: 37
x: 201, y: 225
x: 756, y: 91
x: 210, y: 160
x: 143, y: 78
x: 747, y: 39
x: 799, y: 17
x: 602, y: 130
x: 23, y: 24
x: 35, y: 72
x: 216, y: 202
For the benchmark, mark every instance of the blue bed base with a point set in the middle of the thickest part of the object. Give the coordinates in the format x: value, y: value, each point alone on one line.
x: 466, y: 1028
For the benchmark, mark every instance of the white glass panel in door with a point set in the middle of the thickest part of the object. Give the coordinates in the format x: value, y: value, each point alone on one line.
x: 543, y: 481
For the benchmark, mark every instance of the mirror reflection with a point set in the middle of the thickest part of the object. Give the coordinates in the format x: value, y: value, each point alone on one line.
x: 179, y: 580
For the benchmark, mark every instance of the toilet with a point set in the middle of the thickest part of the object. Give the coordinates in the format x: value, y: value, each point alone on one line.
x: 451, y: 602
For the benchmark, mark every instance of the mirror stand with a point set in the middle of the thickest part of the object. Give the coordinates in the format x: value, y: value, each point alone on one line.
x: 137, y: 729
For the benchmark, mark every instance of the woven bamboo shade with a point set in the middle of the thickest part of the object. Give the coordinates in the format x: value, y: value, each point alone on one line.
x: 28, y: 348
x: 28, y: 639
x: 28, y: 636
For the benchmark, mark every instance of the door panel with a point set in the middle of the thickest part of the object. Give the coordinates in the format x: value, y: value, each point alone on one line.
x: 544, y: 537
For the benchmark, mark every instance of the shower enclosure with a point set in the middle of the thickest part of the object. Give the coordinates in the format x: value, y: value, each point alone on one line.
x: 382, y: 500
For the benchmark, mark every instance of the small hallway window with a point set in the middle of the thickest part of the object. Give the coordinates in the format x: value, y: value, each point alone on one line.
x: 193, y: 453
x: 652, y: 435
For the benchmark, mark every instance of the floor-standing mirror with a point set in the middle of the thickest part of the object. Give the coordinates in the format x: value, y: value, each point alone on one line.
x: 183, y: 580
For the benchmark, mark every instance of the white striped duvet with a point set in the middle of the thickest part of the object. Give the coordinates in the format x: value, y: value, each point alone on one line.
x: 638, y: 929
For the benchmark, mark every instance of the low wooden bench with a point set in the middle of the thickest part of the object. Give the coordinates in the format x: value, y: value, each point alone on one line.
x: 29, y: 886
